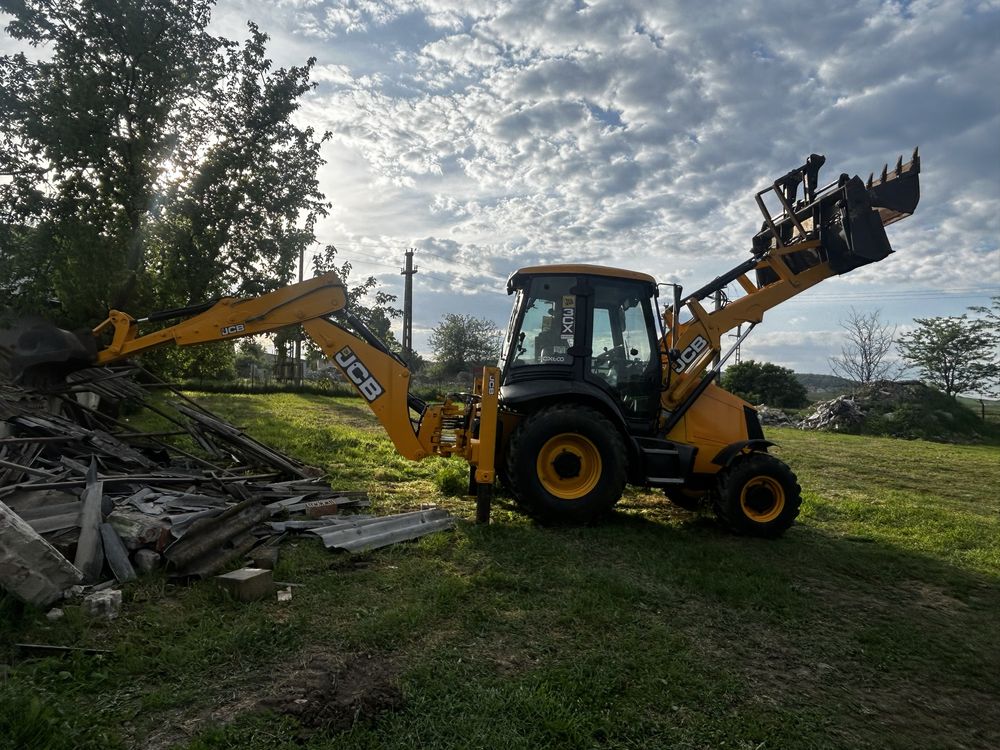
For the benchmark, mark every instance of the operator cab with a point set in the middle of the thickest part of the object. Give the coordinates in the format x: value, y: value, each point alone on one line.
x: 592, y: 325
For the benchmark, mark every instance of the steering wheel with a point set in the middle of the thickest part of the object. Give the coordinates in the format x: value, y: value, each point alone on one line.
x: 609, y: 357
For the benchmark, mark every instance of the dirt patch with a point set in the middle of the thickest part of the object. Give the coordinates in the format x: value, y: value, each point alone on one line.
x: 331, y: 695
x: 322, y: 691
x: 928, y: 596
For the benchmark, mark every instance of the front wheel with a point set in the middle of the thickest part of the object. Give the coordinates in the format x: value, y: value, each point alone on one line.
x: 758, y: 496
x: 567, y: 463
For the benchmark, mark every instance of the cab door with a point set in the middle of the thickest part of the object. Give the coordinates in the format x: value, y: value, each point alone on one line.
x: 624, y: 359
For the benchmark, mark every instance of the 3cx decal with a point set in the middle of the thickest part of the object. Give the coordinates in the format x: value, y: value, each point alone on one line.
x: 568, y: 316
x: 690, y: 354
x: 358, y: 374
x: 233, y: 329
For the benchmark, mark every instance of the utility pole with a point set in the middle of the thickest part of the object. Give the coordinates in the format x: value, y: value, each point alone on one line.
x: 408, y: 272
x: 297, y: 377
x: 739, y: 332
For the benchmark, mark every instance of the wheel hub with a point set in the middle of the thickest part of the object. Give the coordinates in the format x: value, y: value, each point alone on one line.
x: 569, y: 466
x: 762, y: 498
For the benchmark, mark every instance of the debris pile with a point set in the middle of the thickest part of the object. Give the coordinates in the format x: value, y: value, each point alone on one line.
x: 902, y: 409
x: 85, y: 495
x: 770, y: 415
x: 841, y: 413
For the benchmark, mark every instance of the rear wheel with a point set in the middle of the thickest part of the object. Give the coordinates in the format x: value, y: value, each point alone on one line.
x: 759, y: 496
x: 566, y: 463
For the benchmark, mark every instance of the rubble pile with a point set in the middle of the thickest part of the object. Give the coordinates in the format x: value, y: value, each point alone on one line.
x: 85, y: 496
x: 902, y: 409
x: 770, y: 415
x: 841, y: 413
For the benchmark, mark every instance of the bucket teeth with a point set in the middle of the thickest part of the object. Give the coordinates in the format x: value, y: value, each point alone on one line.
x: 895, y: 193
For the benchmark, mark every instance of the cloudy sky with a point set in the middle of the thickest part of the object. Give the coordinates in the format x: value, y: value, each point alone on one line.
x: 493, y: 135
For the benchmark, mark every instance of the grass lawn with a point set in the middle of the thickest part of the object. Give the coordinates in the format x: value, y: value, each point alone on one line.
x: 872, y: 623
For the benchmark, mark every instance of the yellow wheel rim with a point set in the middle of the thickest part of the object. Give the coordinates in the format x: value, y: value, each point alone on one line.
x: 569, y: 466
x: 762, y: 499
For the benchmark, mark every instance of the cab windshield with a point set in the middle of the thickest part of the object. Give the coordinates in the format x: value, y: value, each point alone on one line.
x: 547, y: 329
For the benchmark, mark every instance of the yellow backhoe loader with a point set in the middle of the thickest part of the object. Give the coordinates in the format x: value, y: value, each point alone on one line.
x: 596, y: 387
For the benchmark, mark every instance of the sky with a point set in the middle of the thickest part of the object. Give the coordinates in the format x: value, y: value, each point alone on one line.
x: 495, y: 135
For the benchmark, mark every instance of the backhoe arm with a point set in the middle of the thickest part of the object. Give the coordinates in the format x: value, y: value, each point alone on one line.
x: 379, y: 377
x: 228, y: 318
x: 416, y: 429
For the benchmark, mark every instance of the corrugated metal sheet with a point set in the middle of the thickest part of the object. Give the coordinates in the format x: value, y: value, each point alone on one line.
x: 372, y: 533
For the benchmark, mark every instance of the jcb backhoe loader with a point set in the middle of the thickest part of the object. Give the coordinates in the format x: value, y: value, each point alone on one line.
x: 596, y: 387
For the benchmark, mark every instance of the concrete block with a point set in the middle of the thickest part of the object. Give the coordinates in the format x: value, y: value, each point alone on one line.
x: 104, y: 604
x: 147, y: 560
x: 30, y: 568
x: 247, y: 584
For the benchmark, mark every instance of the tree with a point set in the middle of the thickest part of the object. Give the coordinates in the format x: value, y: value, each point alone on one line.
x: 765, y: 383
x: 366, y: 299
x: 460, y: 342
x: 863, y: 357
x: 150, y: 163
x: 955, y: 354
x: 250, y: 358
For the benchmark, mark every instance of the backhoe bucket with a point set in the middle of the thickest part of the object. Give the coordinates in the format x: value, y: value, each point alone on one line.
x: 41, y: 353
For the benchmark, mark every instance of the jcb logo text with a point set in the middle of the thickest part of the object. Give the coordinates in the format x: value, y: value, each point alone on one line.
x: 358, y: 374
x: 690, y: 354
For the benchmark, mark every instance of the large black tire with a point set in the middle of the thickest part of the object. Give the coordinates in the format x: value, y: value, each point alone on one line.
x: 566, y: 463
x: 758, y: 496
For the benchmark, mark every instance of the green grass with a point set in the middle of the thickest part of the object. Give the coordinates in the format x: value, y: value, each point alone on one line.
x: 872, y: 623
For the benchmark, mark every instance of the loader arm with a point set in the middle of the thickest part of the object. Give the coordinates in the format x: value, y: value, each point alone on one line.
x: 828, y: 232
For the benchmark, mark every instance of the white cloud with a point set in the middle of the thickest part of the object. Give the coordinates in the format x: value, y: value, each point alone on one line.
x: 634, y: 133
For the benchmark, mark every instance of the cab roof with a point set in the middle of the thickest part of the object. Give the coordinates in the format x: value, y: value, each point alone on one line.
x: 517, y: 278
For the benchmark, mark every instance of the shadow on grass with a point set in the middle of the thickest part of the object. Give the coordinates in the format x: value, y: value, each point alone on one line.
x: 890, y: 646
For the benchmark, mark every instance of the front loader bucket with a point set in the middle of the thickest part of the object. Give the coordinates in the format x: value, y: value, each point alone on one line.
x: 41, y: 353
x: 847, y: 216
